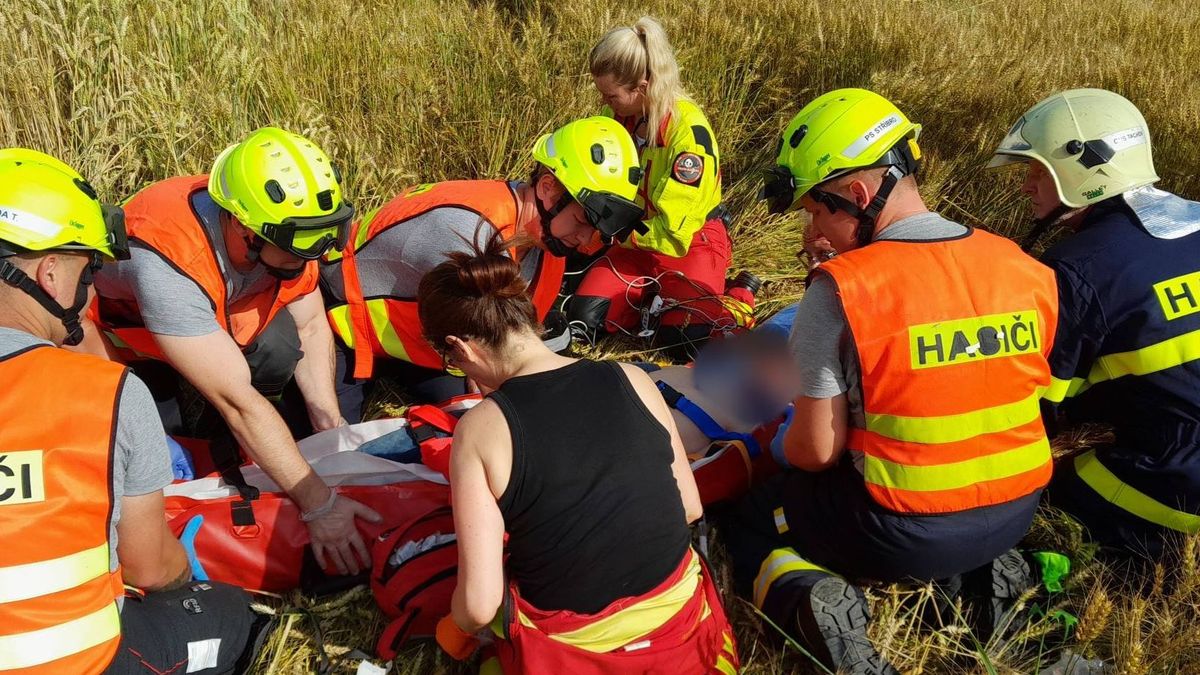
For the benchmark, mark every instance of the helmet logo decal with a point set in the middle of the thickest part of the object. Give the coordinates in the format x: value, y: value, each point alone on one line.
x: 30, y: 222
x: 1127, y: 138
x: 871, y: 136
x: 688, y: 169
x: 1093, y: 194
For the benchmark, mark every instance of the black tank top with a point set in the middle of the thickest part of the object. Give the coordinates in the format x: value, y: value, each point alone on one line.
x: 592, y: 509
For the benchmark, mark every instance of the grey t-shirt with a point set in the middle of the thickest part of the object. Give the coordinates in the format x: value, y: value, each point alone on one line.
x: 141, y: 462
x: 821, y: 342
x: 392, y: 263
x: 170, y: 303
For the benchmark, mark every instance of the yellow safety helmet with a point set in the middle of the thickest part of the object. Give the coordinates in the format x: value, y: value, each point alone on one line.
x: 596, y: 160
x: 285, y: 189
x: 840, y: 132
x: 46, y: 205
x: 1095, y: 144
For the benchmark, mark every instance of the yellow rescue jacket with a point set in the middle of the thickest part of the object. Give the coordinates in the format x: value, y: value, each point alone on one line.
x: 681, y: 182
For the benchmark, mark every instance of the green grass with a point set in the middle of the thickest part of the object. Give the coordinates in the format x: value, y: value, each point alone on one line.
x: 422, y: 90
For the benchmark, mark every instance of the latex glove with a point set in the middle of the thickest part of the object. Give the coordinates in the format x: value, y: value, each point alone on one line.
x: 777, y: 450
x: 459, y: 644
x: 181, y: 461
x: 335, y: 536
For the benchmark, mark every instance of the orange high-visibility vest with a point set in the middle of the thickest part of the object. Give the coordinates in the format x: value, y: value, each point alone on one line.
x: 58, y: 597
x: 161, y: 218
x: 952, y: 338
x: 390, y: 326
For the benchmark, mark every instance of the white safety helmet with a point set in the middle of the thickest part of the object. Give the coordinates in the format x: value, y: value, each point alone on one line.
x: 1095, y: 143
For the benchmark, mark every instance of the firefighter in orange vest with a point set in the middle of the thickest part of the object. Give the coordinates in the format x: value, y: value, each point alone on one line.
x: 83, y: 461
x: 220, y: 289
x: 582, y: 191
x: 599, y: 575
x: 916, y: 446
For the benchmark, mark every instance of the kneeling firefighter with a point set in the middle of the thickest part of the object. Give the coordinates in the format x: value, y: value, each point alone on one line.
x: 221, y: 290
x: 91, y: 579
x: 582, y: 190
x: 1128, y: 352
x: 916, y: 448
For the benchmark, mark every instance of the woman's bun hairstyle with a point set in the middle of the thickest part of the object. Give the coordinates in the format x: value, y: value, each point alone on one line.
x: 478, y: 295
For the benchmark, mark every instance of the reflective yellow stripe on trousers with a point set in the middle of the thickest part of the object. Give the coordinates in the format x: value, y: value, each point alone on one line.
x: 25, y: 650
x: 21, y: 582
x: 1114, y: 490
x: 781, y: 561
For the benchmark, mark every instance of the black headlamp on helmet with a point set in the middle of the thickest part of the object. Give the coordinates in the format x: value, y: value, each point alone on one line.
x: 778, y: 189
x: 118, y: 240
x: 614, y: 216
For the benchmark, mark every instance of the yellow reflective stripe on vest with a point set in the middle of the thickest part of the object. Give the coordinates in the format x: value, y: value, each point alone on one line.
x: 781, y: 561
x: 957, y: 474
x: 633, y: 622
x: 25, y: 650
x: 382, y: 323
x: 1060, y: 390
x: 1114, y: 490
x: 340, y: 318
x: 1157, y: 357
x: 31, y: 580
x: 951, y: 428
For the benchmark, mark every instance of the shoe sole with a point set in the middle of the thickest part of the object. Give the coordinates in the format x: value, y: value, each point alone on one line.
x: 841, y: 616
x: 1011, y: 577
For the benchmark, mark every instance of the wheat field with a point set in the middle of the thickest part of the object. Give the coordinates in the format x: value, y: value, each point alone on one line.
x: 423, y: 90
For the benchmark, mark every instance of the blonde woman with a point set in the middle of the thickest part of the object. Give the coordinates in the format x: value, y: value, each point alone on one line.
x: 683, y: 251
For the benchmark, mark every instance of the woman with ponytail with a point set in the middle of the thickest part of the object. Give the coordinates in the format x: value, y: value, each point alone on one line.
x: 685, y: 251
x: 580, y: 463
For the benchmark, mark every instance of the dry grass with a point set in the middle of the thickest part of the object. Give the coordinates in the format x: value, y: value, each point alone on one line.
x: 423, y: 90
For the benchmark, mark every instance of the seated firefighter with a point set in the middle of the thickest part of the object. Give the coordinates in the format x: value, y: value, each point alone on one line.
x: 221, y: 291
x: 91, y: 579
x: 599, y: 574
x: 583, y: 188
x: 1129, y: 316
x: 916, y: 445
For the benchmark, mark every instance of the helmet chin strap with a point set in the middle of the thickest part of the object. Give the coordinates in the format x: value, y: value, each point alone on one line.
x: 1041, y: 226
x: 254, y: 254
x: 553, y: 244
x: 69, y: 316
x: 868, y: 215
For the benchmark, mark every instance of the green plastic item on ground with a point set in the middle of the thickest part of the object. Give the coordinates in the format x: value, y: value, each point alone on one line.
x: 1055, y: 568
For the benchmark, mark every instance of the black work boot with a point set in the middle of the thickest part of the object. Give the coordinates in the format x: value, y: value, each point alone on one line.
x: 993, y: 591
x: 833, y: 624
